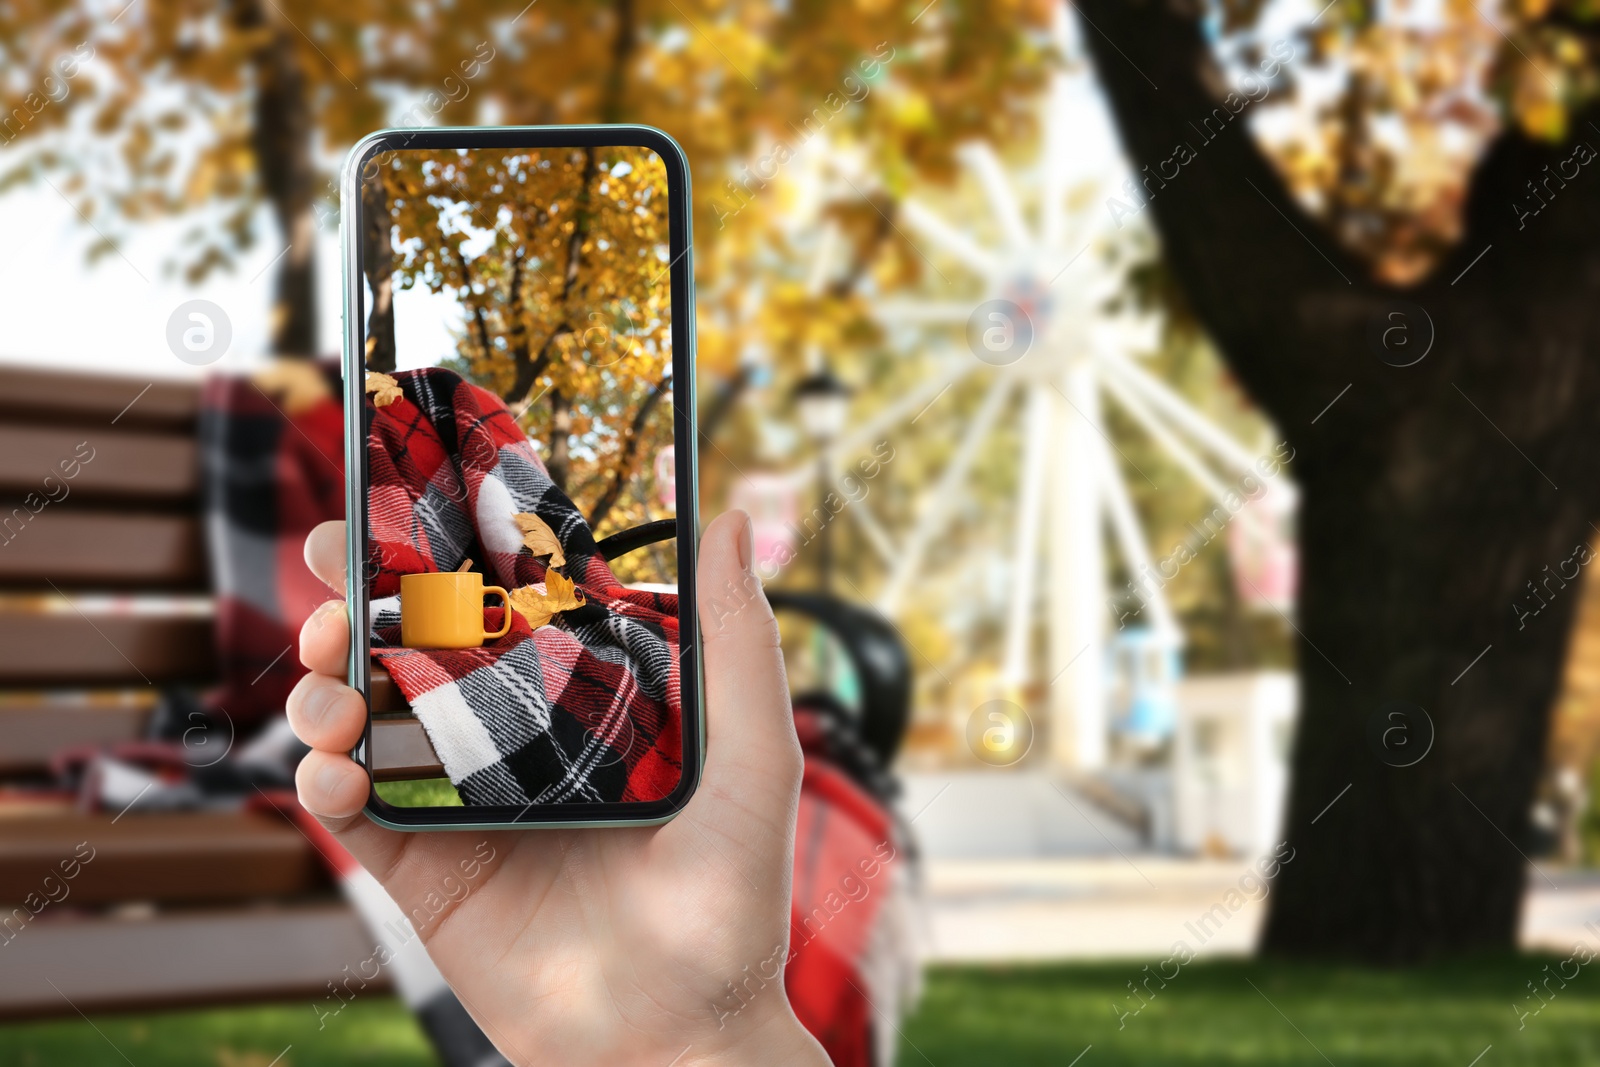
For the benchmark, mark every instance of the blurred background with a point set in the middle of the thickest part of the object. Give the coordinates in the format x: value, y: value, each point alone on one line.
x: 1189, y: 402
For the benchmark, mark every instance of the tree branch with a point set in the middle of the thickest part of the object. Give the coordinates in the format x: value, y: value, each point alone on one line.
x: 1243, y: 250
x: 627, y: 455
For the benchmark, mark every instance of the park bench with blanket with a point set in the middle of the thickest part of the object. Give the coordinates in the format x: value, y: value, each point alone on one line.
x: 113, y: 622
x: 106, y: 611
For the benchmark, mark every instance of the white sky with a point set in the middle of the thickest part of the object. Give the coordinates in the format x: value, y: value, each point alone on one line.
x: 63, y: 312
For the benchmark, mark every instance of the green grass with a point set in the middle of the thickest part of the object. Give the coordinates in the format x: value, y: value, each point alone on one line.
x: 375, y: 1031
x: 991, y: 1017
x: 1209, y: 1015
x: 420, y: 793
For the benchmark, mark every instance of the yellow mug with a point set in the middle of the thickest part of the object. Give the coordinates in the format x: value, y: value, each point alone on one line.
x: 445, y: 610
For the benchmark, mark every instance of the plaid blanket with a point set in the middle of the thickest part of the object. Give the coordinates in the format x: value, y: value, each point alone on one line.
x: 271, y: 448
x: 853, y: 969
x: 584, y: 709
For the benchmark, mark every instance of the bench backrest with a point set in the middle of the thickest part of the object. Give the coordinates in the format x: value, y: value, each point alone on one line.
x: 103, y: 572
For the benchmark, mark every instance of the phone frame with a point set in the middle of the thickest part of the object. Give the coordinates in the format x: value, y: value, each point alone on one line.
x: 681, y: 273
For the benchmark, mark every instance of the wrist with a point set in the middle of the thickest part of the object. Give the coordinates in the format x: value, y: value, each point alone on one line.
x: 778, y: 1040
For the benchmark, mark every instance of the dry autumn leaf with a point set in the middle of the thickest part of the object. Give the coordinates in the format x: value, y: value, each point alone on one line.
x: 539, y: 537
x: 385, y: 389
x: 296, y: 384
x: 539, y: 607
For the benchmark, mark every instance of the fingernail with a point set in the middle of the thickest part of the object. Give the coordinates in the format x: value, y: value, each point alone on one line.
x: 323, y: 614
x: 747, y: 543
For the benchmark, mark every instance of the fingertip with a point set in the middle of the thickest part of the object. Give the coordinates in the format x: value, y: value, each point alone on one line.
x: 332, y: 786
x: 750, y: 730
x: 732, y: 600
x: 726, y: 548
x: 719, y: 543
x: 325, y: 553
x: 326, y: 714
x: 325, y: 639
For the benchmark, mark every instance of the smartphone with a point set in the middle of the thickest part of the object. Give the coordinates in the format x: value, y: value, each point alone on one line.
x: 521, y: 475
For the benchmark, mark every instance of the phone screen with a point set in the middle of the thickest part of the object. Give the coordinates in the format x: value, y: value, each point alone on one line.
x: 524, y: 379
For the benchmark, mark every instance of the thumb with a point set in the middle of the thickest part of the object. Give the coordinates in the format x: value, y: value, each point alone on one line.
x: 751, y: 749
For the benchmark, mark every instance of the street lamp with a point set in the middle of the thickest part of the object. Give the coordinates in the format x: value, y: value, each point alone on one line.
x: 824, y: 403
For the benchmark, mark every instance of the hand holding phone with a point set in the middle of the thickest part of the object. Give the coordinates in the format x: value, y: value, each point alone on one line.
x: 600, y: 946
x: 519, y: 413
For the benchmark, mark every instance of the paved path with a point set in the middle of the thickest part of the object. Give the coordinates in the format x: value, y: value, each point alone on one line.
x: 1140, y: 905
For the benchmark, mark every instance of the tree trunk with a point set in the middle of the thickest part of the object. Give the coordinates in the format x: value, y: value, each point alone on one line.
x: 281, y: 140
x: 622, y: 41
x: 377, y: 255
x: 1430, y: 496
x: 560, y: 438
x: 525, y: 366
x: 1415, y: 553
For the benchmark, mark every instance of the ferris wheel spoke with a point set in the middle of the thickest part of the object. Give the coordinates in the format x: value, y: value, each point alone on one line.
x: 936, y: 501
x: 911, y: 406
x: 1174, y: 446
x: 1061, y: 30
x: 923, y: 312
x: 1058, y: 137
x: 1132, y: 543
x: 1029, y: 518
x: 950, y: 239
x: 877, y: 536
x: 980, y: 156
x: 1053, y: 186
x: 1162, y: 397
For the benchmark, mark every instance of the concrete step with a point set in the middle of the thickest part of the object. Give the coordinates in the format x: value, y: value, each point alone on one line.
x: 1009, y: 814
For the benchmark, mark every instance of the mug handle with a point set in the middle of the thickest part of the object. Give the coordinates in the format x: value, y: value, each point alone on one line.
x: 505, y: 598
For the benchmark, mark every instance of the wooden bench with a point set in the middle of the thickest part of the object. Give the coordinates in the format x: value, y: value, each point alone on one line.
x: 104, y: 598
x: 401, y: 750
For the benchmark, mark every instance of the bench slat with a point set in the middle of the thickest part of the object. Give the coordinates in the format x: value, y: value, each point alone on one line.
x: 401, y: 751
x: 120, y: 465
x: 104, y: 550
x: 183, y: 960
x: 178, y: 857
x: 35, y: 732
x: 66, y: 648
x: 36, y: 394
x: 385, y: 694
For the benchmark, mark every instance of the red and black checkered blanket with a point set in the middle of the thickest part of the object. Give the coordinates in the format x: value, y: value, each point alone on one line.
x: 583, y: 709
x: 272, y: 447
x: 853, y: 968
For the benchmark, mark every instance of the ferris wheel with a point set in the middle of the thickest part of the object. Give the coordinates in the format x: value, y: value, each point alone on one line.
x: 1037, y: 336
